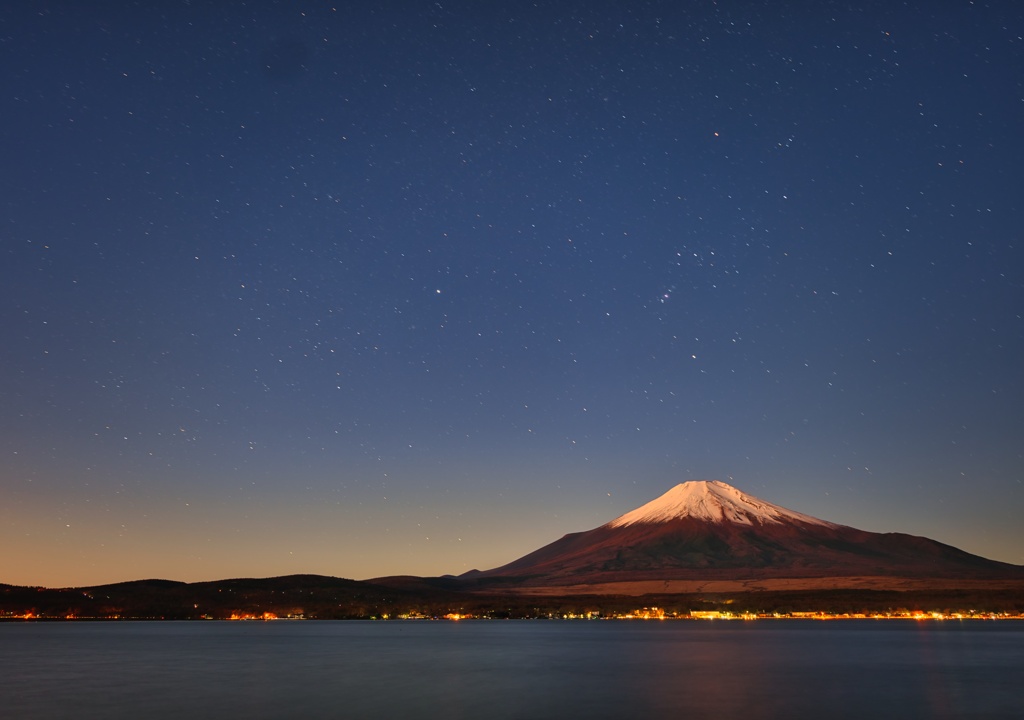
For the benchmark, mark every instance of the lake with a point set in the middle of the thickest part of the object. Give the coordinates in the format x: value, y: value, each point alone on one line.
x: 512, y: 669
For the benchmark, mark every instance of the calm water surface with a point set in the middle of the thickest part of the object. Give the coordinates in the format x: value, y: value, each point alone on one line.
x: 512, y: 669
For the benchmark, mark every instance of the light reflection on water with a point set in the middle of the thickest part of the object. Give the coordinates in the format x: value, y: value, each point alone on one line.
x: 511, y: 669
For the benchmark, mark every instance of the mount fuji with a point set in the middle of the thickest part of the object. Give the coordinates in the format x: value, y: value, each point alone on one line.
x: 705, y: 532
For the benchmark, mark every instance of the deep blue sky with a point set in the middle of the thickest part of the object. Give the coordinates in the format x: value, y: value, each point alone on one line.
x: 414, y: 287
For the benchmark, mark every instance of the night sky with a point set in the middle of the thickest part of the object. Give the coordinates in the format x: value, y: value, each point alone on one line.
x: 381, y: 288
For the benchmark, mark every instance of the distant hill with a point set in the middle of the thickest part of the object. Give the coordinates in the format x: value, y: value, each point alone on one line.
x: 288, y: 596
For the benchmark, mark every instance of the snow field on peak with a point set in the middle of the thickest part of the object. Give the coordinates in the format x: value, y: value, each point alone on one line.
x: 713, y: 501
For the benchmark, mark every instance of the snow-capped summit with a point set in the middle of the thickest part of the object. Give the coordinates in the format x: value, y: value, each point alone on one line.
x: 715, y: 501
x: 708, y: 530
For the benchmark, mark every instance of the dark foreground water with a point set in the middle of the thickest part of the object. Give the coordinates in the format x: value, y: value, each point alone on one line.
x: 513, y: 669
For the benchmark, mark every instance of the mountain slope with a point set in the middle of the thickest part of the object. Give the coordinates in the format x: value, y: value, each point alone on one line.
x: 711, y: 531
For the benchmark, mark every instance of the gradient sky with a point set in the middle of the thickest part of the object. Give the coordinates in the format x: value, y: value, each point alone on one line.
x: 417, y: 287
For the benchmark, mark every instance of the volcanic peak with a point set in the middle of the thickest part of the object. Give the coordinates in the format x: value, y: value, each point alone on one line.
x: 714, y: 501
